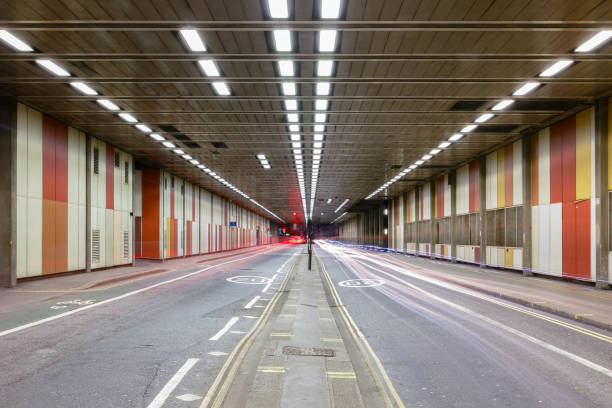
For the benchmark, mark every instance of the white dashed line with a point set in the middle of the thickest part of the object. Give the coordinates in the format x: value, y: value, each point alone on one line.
x: 224, y: 330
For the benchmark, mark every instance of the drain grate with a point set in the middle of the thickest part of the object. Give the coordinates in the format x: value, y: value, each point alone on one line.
x: 309, y: 351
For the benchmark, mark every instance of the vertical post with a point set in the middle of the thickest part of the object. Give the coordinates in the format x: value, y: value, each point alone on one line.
x: 527, y: 236
x: 88, y: 169
x: 483, y: 210
x: 417, y: 220
x: 8, y: 197
x: 309, y: 234
x: 602, y: 278
x: 452, y: 179
x: 432, y: 217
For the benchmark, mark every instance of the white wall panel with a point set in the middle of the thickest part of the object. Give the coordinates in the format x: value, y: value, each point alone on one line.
x: 535, y: 240
x: 517, y: 170
x: 35, y: 149
x: 463, y: 190
x: 556, y: 239
x: 544, y: 238
x: 544, y: 166
x: 34, y: 227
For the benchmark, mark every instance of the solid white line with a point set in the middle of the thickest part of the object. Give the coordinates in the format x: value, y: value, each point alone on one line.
x: 252, y: 302
x: 71, y: 312
x: 269, y: 283
x: 224, y: 330
x: 171, y: 385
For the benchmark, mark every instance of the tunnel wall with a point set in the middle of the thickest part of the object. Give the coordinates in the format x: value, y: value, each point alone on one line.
x: 51, y: 183
x: 176, y: 218
x: 540, y: 203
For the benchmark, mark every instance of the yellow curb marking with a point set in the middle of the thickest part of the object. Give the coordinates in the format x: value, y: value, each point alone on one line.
x: 271, y: 369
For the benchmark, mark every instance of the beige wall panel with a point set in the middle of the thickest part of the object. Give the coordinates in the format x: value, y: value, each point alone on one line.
x: 34, y: 154
x: 21, y: 239
x: 34, y: 227
x: 556, y: 239
x: 137, y: 183
x: 21, y: 187
x: 109, y: 235
x: 81, y: 239
x: 544, y: 166
x: 73, y: 235
x: 517, y: 170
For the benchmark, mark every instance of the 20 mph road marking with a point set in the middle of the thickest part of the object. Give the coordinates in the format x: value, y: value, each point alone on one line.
x: 171, y: 385
x: 224, y: 330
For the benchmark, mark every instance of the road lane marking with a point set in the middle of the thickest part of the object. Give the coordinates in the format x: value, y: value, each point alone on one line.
x: 224, y: 330
x: 269, y: 283
x: 125, y: 295
x: 280, y: 334
x: 171, y: 385
x: 252, y: 302
x: 218, y: 353
x: 346, y: 375
x: 189, y: 397
x: 271, y: 369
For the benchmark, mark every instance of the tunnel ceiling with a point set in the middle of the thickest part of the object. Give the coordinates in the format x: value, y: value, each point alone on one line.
x: 407, y: 75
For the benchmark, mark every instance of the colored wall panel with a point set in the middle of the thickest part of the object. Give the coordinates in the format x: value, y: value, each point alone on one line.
x: 569, y: 239
x: 569, y: 159
x: 556, y: 163
x: 474, y: 186
x: 583, y: 239
x: 534, y: 170
x: 151, y: 213
x: 544, y: 166
x: 583, y: 154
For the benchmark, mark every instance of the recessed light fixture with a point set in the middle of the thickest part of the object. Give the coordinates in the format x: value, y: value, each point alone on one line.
x: 194, y: 162
x: 107, y: 104
x: 294, y: 128
x: 187, y: 157
x: 502, y: 104
x: 209, y: 67
x: 321, y: 104
x: 319, y: 128
x: 221, y: 88
x: 324, y: 68
x: 426, y: 157
x: 525, y: 89
x: 322, y: 88
x: 278, y: 8
x: 329, y: 200
x: 169, y: 144
x: 444, y: 145
x: 296, y: 145
x: 293, y: 117
x: 290, y: 104
x: 267, y: 166
x: 179, y: 152
x: 595, y: 41
x: 127, y: 117
x: 295, y: 137
x: 83, y: 88
x: 143, y: 128
x: 433, y: 152
x: 468, y: 128
x: 327, y: 40
x: 330, y: 8
x: 455, y: 137
x: 193, y: 40
x: 53, y: 67
x: 320, y: 117
x: 285, y: 67
x: 14, y: 42
x: 157, y: 137
x: 317, y: 137
x: 484, y: 117
x: 288, y: 88
x: 317, y: 151
x: 317, y: 145
x: 261, y: 156
x: 282, y: 40
x: 555, y: 68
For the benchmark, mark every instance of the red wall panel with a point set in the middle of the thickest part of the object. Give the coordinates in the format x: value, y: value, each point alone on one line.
x: 556, y: 163
x: 440, y: 197
x: 569, y: 159
x: 48, y: 237
x: 110, y: 177
x: 61, y: 163
x: 150, y: 213
x: 583, y: 239
x: 569, y: 238
x: 534, y: 170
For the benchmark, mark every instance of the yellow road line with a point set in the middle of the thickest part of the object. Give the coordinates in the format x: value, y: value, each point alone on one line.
x: 286, y: 315
x: 280, y: 334
x: 348, y: 375
x: 328, y: 340
x: 270, y: 369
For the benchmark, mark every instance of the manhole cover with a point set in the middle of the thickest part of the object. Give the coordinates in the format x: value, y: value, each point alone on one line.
x: 309, y: 351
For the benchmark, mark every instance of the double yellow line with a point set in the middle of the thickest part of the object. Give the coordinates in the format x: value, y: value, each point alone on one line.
x: 363, y: 345
x: 220, y: 387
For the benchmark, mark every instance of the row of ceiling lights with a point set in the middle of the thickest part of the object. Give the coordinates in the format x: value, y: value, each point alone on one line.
x: 195, y: 43
x: 589, y: 45
x: 324, y: 68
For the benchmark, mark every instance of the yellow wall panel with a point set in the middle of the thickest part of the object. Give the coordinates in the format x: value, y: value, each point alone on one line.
x: 583, y: 154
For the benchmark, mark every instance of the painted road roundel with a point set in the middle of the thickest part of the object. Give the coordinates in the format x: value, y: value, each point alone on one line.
x: 249, y: 280
x: 360, y: 283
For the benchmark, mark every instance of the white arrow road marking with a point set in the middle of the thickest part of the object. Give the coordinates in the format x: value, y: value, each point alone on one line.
x: 171, y: 385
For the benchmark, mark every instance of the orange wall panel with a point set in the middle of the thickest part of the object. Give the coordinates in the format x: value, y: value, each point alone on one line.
x: 48, y: 136
x: 150, y: 213
x: 569, y: 159
x: 583, y: 239
x: 569, y: 239
x: 48, y: 236
x: 61, y: 162
x: 61, y: 236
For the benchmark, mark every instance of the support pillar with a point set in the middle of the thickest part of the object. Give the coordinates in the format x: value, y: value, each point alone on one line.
x: 602, y: 278
x: 483, y: 211
x: 417, y: 218
x: 452, y: 180
x: 432, y: 212
x: 8, y: 192
x: 527, y: 236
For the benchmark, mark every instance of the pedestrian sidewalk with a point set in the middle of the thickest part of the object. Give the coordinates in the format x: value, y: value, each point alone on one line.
x: 574, y: 300
x: 33, y: 291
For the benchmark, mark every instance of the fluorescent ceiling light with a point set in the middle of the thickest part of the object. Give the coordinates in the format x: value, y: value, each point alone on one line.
x: 221, y: 88
x: 14, y: 42
x: 525, y: 89
x: 317, y: 145
x: 413, y: 166
x: 157, y: 137
x: 555, y: 68
x: 444, y: 145
x: 322, y: 88
x: 297, y: 151
x: 143, y: 128
x: 484, y: 117
x: 187, y: 157
x: 288, y: 88
x: 433, y: 152
x: 296, y: 137
x: 468, y: 128
x: 107, y: 104
x: 317, y: 137
x: 53, y: 67
x: 83, y: 88
x: 426, y: 157
x: 261, y: 156
x: 330, y: 8
x: 294, y: 128
x: 296, y: 145
x: 316, y: 157
x: 321, y: 104
x: 278, y: 8
x: 194, y: 162
x: 329, y: 200
x: 502, y: 104
x: 292, y: 117
x: 209, y: 67
x: 267, y: 166
x: 127, y: 117
x: 193, y: 40
x: 317, y: 151
x: 285, y: 67
x: 300, y: 162
x: 319, y: 128
x: 201, y: 166
x: 169, y: 144
x: 595, y: 41
x: 327, y: 40
x: 264, y: 162
x: 291, y: 104
x: 325, y: 68
x: 320, y: 117
x: 179, y: 151
x: 341, y: 205
x: 282, y: 40
x: 298, y: 157
x: 455, y: 137
x: 419, y: 162
x: 316, y: 162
